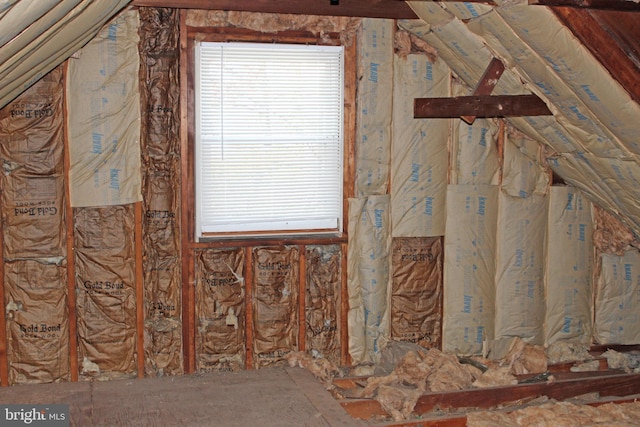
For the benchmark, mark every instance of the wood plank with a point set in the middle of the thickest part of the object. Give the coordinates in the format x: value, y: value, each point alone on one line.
x: 584, y: 25
x: 350, y: 112
x: 71, y: 255
x: 187, y: 205
x: 487, y: 83
x: 139, y: 289
x: 621, y: 348
x: 485, y: 398
x: 302, y: 298
x: 621, y: 5
x: 248, y: 306
x: 345, y: 356
x: 480, y: 106
x: 4, y: 362
x: 356, y: 8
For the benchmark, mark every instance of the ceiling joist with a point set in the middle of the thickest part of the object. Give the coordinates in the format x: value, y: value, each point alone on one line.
x: 480, y: 106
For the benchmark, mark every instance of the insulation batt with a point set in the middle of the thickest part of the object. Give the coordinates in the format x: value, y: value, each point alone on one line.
x: 416, y: 373
x: 525, y: 358
x: 420, y: 370
x: 562, y: 351
x: 611, y: 236
x: 406, y: 43
x: 398, y: 401
x: 561, y: 414
x: 322, y: 369
x: 273, y: 23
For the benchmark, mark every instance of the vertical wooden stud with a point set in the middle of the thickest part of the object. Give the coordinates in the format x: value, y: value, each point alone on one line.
x: 501, y: 138
x: 4, y: 364
x: 71, y: 254
x: 302, y: 300
x: 345, y: 357
x: 248, y: 306
x: 139, y: 289
x: 350, y: 84
x: 187, y: 226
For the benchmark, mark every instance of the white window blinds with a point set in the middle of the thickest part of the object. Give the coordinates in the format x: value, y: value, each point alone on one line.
x: 269, y: 145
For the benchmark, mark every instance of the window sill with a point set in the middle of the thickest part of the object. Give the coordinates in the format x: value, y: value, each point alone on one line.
x: 271, y: 240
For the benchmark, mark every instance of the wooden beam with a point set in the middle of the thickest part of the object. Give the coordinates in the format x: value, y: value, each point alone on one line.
x: 487, y: 82
x: 70, y: 241
x: 355, y: 8
x: 139, y: 289
x: 248, y: 307
x: 609, y: 385
x: 621, y: 5
x: 480, y: 106
x: 187, y: 215
x: 302, y: 298
x: 586, y: 26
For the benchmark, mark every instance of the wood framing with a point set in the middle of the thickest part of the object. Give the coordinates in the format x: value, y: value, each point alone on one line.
x: 4, y: 363
x: 486, y: 398
x: 487, y: 82
x: 248, y: 306
x: 71, y: 256
x: 356, y: 8
x: 189, y: 243
x: 619, y: 58
x: 187, y: 206
x: 480, y: 106
x: 302, y: 299
x: 622, y: 5
x: 139, y: 289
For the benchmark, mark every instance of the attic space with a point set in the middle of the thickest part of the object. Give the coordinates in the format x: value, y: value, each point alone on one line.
x: 380, y: 213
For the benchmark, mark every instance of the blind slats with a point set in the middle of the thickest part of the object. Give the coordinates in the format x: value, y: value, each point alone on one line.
x: 268, y: 137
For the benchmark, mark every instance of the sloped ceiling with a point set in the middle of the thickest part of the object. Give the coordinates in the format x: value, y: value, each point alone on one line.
x: 38, y: 35
x: 592, y: 140
x: 583, y: 63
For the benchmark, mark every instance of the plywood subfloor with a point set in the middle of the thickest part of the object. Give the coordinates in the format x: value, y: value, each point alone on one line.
x: 267, y: 397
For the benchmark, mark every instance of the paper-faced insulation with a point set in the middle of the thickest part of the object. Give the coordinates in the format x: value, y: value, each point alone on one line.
x: 34, y: 244
x: 220, y: 310
x: 416, y: 290
x: 105, y: 291
x: 160, y: 141
x: 276, y: 280
x: 322, y: 304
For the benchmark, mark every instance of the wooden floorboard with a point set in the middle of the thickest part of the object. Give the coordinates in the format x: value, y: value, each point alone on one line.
x: 269, y: 397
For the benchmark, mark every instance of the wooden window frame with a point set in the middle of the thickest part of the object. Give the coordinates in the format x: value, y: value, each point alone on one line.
x: 189, y: 245
x: 217, y: 34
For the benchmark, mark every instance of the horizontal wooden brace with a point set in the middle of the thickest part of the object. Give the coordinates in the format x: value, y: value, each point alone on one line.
x: 480, y: 106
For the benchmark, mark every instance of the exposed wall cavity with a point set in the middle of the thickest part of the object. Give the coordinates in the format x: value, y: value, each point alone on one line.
x: 160, y: 149
x: 33, y: 218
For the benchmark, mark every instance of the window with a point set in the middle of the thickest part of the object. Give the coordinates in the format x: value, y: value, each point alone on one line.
x: 269, y: 138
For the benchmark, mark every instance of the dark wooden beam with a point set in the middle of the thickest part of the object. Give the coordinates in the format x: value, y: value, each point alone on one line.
x: 355, y: 8
x: 614, y: 56
x: 485, y: 398
x: 622, y: 5
x: 487, y: 82
x: 480, y: 106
